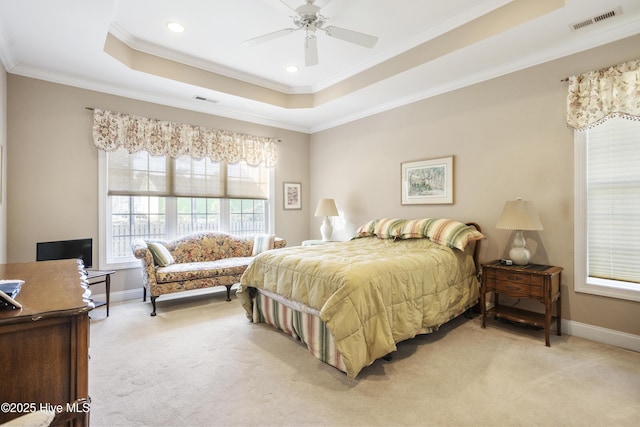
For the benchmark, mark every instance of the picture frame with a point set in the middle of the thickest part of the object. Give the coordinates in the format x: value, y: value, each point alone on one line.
x: 292, y: 195
x: 426, y: 182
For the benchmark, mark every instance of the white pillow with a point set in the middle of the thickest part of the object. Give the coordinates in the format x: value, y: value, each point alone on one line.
x: 263, y: 243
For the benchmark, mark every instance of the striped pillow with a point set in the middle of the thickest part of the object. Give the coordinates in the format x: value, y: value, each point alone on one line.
x: 161, y: 255
x: 415, y: 228
x: 388, y: 228
x: 367, y: 230
x: 263, y: 243
x: 452, y: 233
x: 445, y: 232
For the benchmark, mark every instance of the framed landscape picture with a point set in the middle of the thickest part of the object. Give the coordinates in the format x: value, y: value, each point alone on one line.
x: 292, y: 196
x: 428, y: 181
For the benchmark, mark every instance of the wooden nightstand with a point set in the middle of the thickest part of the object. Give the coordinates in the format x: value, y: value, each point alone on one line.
x: 539, y: 282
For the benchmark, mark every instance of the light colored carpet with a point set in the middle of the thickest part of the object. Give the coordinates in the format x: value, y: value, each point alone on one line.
x: 201, y: 363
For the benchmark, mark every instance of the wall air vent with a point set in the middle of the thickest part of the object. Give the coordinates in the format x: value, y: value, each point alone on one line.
x: 594, y: 20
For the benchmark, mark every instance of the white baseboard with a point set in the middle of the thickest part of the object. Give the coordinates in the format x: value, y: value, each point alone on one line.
x: 133, y: 294
x: 602, y: 335
x: 120, y: 296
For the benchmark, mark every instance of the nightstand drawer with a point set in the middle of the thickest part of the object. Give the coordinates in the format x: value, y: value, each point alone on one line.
x: 516, y: 288
x: 514, y: 276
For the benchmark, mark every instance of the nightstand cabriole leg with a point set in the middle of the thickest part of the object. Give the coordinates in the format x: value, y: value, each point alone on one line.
x: 547, y: 322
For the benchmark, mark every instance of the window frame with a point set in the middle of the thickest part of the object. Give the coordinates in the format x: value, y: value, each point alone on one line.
x: 583, y: 283
x: 104, y: 216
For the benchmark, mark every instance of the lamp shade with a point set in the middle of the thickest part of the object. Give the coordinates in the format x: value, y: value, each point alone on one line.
x: 519, y: 215
x: 326, y: 207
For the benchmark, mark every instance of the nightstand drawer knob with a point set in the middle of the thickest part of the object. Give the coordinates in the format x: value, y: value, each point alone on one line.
x: 511, y: 287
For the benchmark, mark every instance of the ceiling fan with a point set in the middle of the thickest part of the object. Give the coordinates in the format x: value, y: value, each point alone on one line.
x: 309, y: 19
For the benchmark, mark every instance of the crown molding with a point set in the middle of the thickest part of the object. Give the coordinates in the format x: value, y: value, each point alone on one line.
x: 198, y: 106
x: 433, y: 32
x: 190, y: 60
x: 6, y: 53
x: 627, y: 29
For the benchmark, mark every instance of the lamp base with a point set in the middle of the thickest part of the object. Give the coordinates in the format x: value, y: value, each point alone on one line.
x: 326, y: 230
x: 520, y: 256
x: 519, y: 253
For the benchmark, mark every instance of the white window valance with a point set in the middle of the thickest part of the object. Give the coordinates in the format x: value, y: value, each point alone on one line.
x: 113, y: 130
x: 599, y: 95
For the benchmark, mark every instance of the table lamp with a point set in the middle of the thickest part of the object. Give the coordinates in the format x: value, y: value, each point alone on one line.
x: 519, y: 215
x: 326, y: 208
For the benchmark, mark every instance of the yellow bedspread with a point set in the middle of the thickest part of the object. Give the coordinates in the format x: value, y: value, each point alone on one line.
x: 370, y: 292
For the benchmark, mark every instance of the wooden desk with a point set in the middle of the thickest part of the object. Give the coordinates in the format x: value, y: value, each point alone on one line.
x: 44, y: 347
x: 103, y: 276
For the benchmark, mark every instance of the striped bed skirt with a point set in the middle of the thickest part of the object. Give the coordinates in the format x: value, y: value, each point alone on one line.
x: 301, y: 322
x: 304, y: 324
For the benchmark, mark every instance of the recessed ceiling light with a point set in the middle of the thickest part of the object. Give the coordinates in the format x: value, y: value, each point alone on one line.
x: 292, y: 69
x: 175, y: 27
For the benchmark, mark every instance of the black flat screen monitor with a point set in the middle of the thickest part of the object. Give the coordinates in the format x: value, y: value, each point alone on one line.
x: 66, y: 249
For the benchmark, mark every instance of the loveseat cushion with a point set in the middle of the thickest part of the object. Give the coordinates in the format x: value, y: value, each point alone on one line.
x: 202, y: 270
x: 208, y: 246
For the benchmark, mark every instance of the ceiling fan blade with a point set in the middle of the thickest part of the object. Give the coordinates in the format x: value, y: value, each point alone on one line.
x: 351, y: 36
x: 311, y: 51
x: 321, y: 3
x: 269, y: 36
x: 288, y: 6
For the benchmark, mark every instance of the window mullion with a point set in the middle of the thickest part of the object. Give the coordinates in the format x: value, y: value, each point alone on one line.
x: 171, y: 207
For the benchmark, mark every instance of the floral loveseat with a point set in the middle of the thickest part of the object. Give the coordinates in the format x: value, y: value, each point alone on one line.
x: 197, y: 261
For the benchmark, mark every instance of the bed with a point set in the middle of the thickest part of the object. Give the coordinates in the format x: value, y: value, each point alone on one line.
x: 351, y: 302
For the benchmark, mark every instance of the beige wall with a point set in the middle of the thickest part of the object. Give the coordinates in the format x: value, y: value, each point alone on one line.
x: 52, y: 176
x: 3, y: 165
x: 508, y: 137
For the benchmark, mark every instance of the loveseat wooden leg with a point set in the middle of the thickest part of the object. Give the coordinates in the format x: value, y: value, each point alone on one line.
x: 144, y: 294
x: 228, y: 292
x: 153, y: 303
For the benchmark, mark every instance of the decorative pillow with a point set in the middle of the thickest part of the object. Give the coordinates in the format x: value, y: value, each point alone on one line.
x: 161, y: 255
x: 263, y: 243
x: 367, y: 230
x: 452, y: 233
x: 445, y: 232
x: 388, y: 228
x: 414, y: 229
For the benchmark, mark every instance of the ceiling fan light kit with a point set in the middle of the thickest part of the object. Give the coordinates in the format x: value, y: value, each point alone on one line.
x: 309, y: 18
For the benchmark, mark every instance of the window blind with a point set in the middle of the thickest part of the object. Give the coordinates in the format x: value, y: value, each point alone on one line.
x: 140, y: 174
x: 613, y: 200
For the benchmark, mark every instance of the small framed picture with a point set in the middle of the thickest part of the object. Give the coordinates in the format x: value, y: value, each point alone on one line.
x: 428, y: 182
x: 292, y: 195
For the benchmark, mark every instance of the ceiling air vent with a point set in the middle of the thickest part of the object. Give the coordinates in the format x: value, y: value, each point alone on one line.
x: 594, y: 20
x: 202, y: 98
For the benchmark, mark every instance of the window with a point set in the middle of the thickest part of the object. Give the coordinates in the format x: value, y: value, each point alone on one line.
x: 160, y: 197
x: 607, y: 209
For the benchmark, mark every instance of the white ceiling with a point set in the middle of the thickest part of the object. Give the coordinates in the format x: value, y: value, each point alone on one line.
x: 64, y: 41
